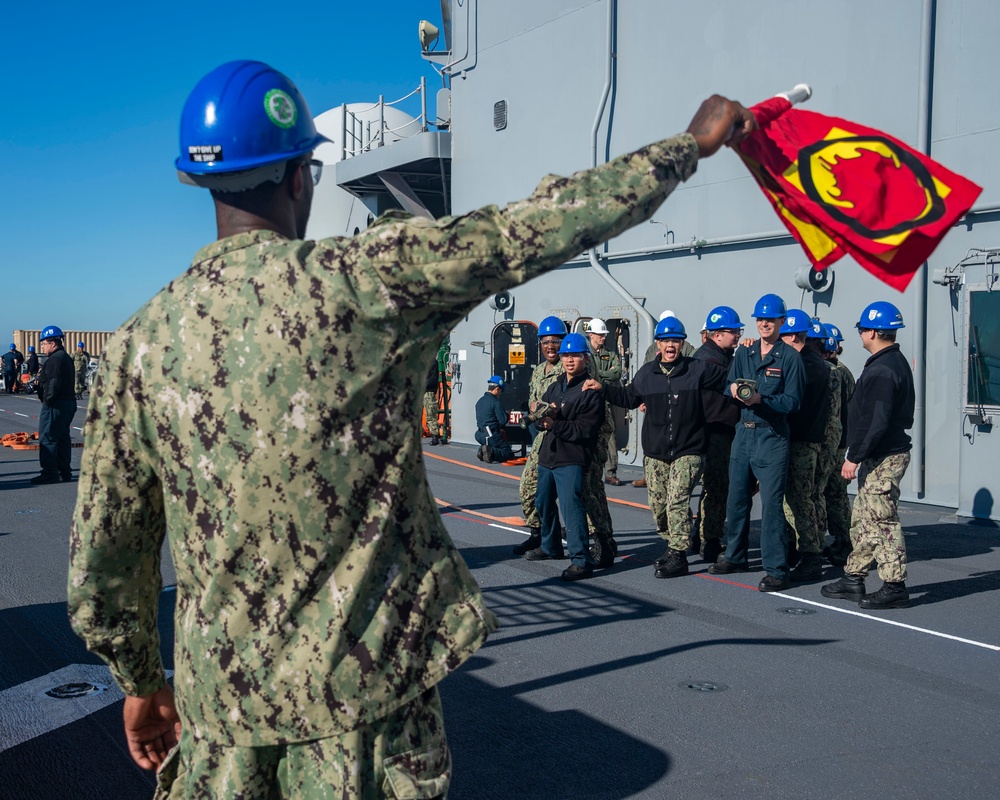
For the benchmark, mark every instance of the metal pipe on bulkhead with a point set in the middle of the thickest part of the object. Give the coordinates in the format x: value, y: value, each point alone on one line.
x: 643, y: 315
x: 920, y: 279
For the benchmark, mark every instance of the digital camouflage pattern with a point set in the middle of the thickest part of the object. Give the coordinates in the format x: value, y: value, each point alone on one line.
x: 875, y: 528
x: 431, y: 412
x: 836, y: 501
x: 826, y: 462
x: 404, y: 755
x: 800, y: 490
x: 81, y: 360
x: 670, y: 486
x: 542, y: 376
x: 263, y: 410
x: 606, y: 367
x: 595, y: 499
x: 715, y: 486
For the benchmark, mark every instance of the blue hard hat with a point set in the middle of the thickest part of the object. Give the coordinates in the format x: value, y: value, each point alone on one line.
x: 551, y: 326
x: 51, y: 332
x: 722, y: 318
x: 79, y: 344
x: 796, y: 321
x: 880, y: 316
x: 833, y: 331
x: 830, y: 344
x: 770, y: 306
x: 670, y: 328
x: 495, y: 380
x: 817, y: 330
x: 574, y: 343
x: 12, y: 346
x: 31, y: 348
x: 241, y: 116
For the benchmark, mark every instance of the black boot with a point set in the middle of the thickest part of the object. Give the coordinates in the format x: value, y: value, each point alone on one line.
x: 534, y: 540
x: 435, y: 441
x: 891, y: 595
x: 850, y: 587
x: 809, y: 568
x: 674, y: 564
x: 603, y: 550
x: 711, y: 550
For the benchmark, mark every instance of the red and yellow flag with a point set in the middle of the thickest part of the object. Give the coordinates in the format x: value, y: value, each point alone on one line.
x: 843, y: 189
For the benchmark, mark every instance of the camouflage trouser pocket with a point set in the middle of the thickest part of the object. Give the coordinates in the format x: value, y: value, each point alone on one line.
x: 418, y: 774
x: 168, y: 773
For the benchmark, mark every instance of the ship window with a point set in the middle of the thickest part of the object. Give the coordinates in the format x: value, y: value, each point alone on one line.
x: 982, y: 385
x: 500, y: 115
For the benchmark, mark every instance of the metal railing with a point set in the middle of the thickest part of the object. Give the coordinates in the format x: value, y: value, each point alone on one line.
x: 360, y: 135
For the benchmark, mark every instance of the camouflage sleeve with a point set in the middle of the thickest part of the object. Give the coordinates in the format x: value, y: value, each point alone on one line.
x: 450, y: 265
x: 115, y: 541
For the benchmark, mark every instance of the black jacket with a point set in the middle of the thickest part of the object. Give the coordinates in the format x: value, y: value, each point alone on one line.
x: 881, y: 408
x: 32, y: 363
x: 808, y: 424
x: 573, y: 439
x: 722, y: 411
x: 58, y: 378
x: 674, y: 424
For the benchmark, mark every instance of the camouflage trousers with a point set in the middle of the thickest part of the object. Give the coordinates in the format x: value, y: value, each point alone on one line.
x: 715, y: 486
x: 837, y: 503
x: 826, y: 464
x: 800, y: 496
x: 528, y: 487
x: 595, y: 500
x: 404, y: 755
x: 875, y: 529
x: 431, y: 409
x: 670, y: 485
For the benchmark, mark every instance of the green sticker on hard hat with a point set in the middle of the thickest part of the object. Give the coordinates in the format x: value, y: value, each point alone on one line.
x: 280, y: 108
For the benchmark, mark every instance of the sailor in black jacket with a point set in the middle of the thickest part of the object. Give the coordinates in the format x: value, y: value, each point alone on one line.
x: 674, y: 436
x: 565, y: 453
x: 58, y: 395
x: 878, y: 453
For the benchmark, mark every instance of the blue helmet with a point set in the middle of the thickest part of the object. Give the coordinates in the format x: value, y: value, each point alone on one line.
x: 830, y: 344
x: 495, y: 380
x: 551, y: 326
x: 670, y: 328
x: 880, y: 316
x: 833, y: 331
x: 12, y: 347
x: 770, y: 306
x: 796, y: 321
x: 817, y: 330
x: 574, y: 343
x: 242, y: 116
x: 722, y: 318
x: 79, y: 344
x: 31, y: 348
x: 51, y: 332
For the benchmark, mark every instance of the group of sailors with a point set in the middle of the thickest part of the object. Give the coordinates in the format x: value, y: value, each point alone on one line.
x: 740, y: 416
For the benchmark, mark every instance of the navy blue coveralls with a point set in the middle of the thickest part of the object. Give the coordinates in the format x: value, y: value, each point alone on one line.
x: 58, y: 396
x: 760, y: 450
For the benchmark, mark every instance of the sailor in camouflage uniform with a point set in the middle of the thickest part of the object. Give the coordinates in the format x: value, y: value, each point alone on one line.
x: 551, y: 332
x: 674, y: 436
x: 261, y: 413
x: 605, y: 367
x: 81, y: 360
x: 878, y: 453
x: 835, y: 500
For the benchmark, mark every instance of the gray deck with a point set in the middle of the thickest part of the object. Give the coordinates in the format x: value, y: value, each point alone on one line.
x: 585, y: 691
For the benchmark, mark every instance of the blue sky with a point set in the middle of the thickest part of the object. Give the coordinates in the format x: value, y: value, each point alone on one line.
x: 94, y: 220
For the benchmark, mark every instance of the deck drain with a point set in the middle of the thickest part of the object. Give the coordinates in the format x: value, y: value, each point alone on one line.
x: 72, y: 691
x: 703, y: 686
x: 797, y: 611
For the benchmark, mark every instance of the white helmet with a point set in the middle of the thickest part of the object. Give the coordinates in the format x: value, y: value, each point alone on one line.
x: 597, y: 326
x: 665, y: 314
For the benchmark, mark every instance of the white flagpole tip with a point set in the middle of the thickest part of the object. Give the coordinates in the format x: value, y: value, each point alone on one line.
x: 800, y: 93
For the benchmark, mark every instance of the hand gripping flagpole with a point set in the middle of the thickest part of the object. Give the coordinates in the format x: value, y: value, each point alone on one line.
x: 770, y: 110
